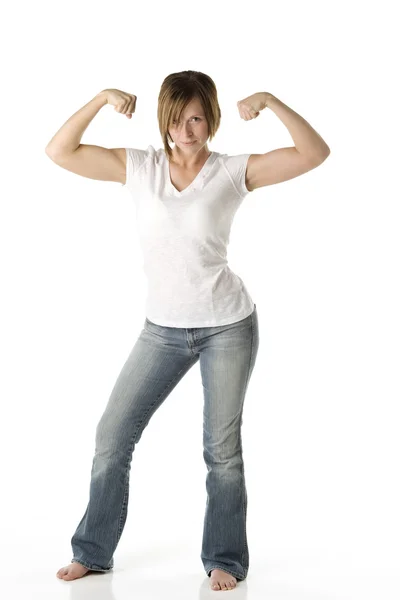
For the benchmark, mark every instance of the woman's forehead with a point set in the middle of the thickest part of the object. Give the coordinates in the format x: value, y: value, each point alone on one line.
x: 193, y: 109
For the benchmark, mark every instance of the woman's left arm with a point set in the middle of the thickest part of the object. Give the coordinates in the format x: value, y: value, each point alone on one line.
x: 306, y: 140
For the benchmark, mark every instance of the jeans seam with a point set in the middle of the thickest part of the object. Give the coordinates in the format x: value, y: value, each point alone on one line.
x: 241, y: 449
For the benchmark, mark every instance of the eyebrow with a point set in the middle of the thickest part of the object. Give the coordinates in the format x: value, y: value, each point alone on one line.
x: 191, y: 116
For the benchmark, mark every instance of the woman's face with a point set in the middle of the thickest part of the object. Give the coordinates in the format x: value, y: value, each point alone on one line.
x: 192, y: 128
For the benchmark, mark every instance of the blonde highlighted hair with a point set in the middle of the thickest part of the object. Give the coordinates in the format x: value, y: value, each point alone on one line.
x: 177, y: 91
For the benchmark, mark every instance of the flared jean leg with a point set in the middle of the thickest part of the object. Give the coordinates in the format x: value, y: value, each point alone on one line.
x: 151, y: 371
x: 227, y: 358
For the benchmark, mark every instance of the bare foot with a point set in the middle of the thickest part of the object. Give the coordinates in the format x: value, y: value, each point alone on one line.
x: 73, y: 571
x: 220, y: 580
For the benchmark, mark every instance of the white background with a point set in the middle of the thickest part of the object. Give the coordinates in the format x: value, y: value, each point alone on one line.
x: 319, y: 255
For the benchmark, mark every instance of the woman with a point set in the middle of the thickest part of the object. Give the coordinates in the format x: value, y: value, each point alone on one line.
x: 197, y: 309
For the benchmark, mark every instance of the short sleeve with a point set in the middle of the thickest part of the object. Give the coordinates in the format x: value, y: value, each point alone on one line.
x: 135, y: 158
x: 236, y: 167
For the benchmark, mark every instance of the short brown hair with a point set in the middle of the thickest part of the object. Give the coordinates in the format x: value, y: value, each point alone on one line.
x: 177, y: 90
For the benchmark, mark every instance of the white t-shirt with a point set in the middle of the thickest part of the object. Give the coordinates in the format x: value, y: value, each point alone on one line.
x: 184, y: 238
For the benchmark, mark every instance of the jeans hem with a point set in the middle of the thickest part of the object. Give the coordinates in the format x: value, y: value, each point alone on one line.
x: 90, y: 566
x: 236, y: 575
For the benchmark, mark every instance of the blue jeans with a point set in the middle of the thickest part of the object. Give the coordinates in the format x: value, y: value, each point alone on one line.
x: 159, y: 359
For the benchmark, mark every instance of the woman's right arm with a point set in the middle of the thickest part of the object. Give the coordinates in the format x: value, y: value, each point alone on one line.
x: 94, y: 162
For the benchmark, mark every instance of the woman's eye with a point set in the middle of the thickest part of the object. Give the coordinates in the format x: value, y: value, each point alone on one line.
x: 198, y: 118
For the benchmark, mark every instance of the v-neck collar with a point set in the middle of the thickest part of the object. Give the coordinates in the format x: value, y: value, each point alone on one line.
x: 196, y: 181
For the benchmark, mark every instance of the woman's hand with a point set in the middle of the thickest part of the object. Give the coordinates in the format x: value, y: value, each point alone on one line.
x: 123, y: 102
x: 250, y: 107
